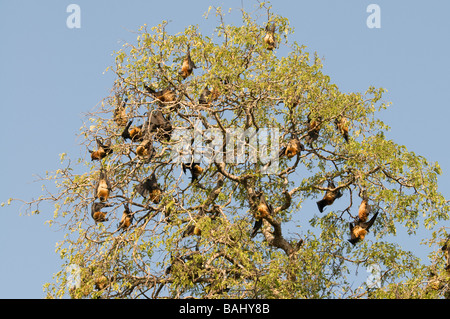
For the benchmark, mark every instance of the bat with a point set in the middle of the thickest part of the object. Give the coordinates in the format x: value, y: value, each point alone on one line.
x: 161, y: 125
x: 103, y: 188
x: 191, y: 230
x: 135, y: 133
x: 120, y: 115
x: 96, y: 212
x: 293, y: 148
x: 166, y: 95
x: 342, y: 126
x: 269, y: 38
x: 103, y: 149
x: 329, y: 197
x: 263, y: 209
x: 188, y: 66
x: 101, y: 282
x: 195, y: 168
x: 145, y: 149
x: 127, y: 218
x: 313, y: 127
x: 364, y: 209
x: 207, y: 96
x: 359, y: 230
x: 150, y: 188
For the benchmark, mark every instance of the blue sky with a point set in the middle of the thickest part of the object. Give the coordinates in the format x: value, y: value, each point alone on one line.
x: 50, y: 75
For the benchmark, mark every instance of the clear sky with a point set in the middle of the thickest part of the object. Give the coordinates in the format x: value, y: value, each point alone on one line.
x: 51, y: 74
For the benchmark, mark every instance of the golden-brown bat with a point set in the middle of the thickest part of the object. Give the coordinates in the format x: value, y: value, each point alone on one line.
x: 330, y: 196
x: 103, y: 149
x: 269, y: 38
x: 96, y: 212
x: 103, y: 187
x: 188, y: 66
x: 127, y: 218
x: 293, y: 148
x: 342, y: 126
x: 150, y: 188
x: 359, y: 230
x: 195, y: 168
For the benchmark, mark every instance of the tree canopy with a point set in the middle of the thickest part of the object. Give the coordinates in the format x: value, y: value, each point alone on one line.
x: 269, y: 135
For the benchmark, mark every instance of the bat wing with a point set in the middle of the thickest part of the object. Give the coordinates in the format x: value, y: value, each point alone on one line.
x: 108, y: 183
x: 156, y: 120
x: 104, y: 177
x: 153, y: 182
x: 282, y: 151
x: 256, y: 227
x: 99, y: 143
x: 149, y: 89
x: 369, y: 224
x: 298, y: 144
x: 125, y: 132
x: 189, y: 230
x: 93, y: 209
x: 96, y: 188
x: 191, y: 63
x: 141, y: 189
x: 127, y: 208
x: 271, y: 213
x: 350, y: 227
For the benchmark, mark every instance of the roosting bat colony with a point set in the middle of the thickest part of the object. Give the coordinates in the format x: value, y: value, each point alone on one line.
x: 159, y: 127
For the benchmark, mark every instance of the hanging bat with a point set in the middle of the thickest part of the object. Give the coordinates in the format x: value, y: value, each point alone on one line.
x: 256, y: 227
x: 135, y: 133
x: 293, y: 148
x: 127, y: 218
x: 364, y: 209
x: 166, y: 95
x: 150, y: 188
x: 191, y: 230
x: 174, y: 262
x: 342, y: 126
x: 263, y: 209
x: 101, y: 282
x: 161, y: 125
x: 207, y: 96
x: 269, y: 38
x: 103, y: 188
x: 359, y: 230
x: 329, y: 197
x: 188, y: 66
x: 103, y: 149
x: 96, y: 212
x: 313, y: 127
x: 145, y: 149
x: 195, y: 168
x: 120, y: 115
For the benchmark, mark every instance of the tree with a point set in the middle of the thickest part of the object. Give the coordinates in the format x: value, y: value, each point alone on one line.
x: 164, y: 226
